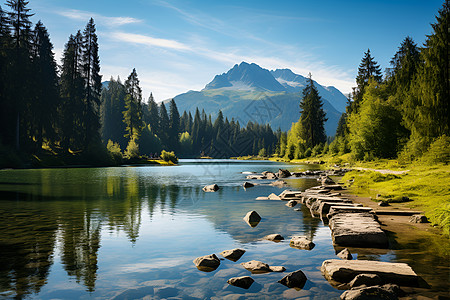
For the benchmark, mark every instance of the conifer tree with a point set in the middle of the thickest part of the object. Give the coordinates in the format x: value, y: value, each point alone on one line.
x: 174, y: 125
x: 153, y: 114
x: 133, y: 113
x: 312, y: 117
x: 368, y: 68
x: 164, y: 125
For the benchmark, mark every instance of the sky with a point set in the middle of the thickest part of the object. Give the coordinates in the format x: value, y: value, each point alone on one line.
x: 177, y: 46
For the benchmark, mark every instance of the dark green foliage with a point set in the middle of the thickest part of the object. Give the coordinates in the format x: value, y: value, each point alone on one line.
x: 312, y: 117
x: 368, y: 69
x: 164, y: 126
x: 113, y: 105
x: 132, y: 116
x: 169, y: 156
x: 174, y: 126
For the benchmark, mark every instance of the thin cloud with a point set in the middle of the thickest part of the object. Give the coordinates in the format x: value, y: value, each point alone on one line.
x: 109, y: 21
x: 149, y: 41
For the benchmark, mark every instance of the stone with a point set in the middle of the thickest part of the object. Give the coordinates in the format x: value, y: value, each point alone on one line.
x: 282, y: 173
x: 207, y: 263
x: 365, y: 279
x: 418, y: 219
x: 356, y: 230
x: 274, y: 237
x: 233, y: 254
x: 252, y: 218
x: 277, y: 268
x: 296, y: 279
x: 248, y: 184
x: 211, y: 188
x: 343, y: 271
x: 274, y: 197
x: 255, y: 176
x: 269, y: 175
x: 345, y: 254
x: 243, y: 282
x: 291, y: 203
x: 301, y: 242
x: 368, y: 293
x: 256, y: 267
x: 279, y: 183
x: 383, y: 203
x: 297, y: 209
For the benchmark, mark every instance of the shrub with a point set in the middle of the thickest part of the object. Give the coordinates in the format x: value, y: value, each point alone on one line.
x: 262, y: 152
x: 308, y: 152
x: 438, y: 152
x: 169, y: 156
x: 132, y: 151
x: 114, y: 151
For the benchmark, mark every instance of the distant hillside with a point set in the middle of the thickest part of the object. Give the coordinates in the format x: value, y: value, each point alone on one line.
x: 248, y: 92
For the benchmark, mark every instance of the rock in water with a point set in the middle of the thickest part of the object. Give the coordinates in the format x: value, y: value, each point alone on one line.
x: 274, y: 197
x: 373, y: 292
x: 207, y: 263
x: 252, y: 218
x: 345, y: 254
x: 255, y: 266
x: 295, y: 279
x: 274, y: 237
x: 291, y: 203
x: 248, y: 184
x: 234, y: 254
x: 366, y: 279
x: 283, y: 173
x: 301, y: 242
x: 243, y: 282
x: 211, y: 188
x: 277, y: 268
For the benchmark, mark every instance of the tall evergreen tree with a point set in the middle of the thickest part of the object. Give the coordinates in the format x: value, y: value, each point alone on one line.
x: 7, y: 116
x: 153, y: 114
x: 174, y: 127
x: 368, y: 68
x: 133, y: 112
x: 164, y: 125
x: 312, y: 116
x: 92, y: 83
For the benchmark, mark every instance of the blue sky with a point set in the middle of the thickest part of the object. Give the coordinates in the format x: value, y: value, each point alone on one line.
x: 177, y: 46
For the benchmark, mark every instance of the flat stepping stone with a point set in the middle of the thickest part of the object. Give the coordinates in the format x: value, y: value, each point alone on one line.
x: 357, y: 230
x: 344, y: 271
x: 301, y: 242
x: 324, y: 207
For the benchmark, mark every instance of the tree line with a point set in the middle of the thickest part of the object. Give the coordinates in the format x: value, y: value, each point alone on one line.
x: 148, y: 128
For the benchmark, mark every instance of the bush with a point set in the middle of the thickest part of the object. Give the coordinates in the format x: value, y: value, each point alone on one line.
x: 262, y: 152
x: 169, y: 156
x: 132, y: 151
x: 438, y: 152
x: 308, y: 152
x: 114, y: 151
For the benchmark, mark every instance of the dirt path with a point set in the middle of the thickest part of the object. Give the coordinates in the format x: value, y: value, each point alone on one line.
x: 382, y: 171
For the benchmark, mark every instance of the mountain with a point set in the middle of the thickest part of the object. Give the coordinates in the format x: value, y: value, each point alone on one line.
x: 248, y: 92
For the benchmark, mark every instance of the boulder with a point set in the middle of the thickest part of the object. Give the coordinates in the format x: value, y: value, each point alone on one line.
x: 211, y: 188
x: 291, y: 203
x: 256, y: 176
x: 301, y: 242
x: 243, y: 282
x: 207, y: 263
x: 248, y: 184
x: 283, y: 173
x: 269, y: 175
x: 383, y: 203
x: 252, y: 218
x: 368, y: 293
x: 296, y: 279
x: 418, y: 219
x: 277, y: 268
x: 345, y: 254
x: 234, y: 254
x: 255, y: 266
x: 274, y: 237
x: 274, y: 197
x: 343, y: 271
x: 366, y: 279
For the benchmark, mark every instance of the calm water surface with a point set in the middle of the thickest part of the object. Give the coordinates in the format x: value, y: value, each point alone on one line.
x: 132, y: 232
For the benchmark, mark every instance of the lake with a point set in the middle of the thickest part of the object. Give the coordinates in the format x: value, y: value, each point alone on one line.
x: 133, y: 232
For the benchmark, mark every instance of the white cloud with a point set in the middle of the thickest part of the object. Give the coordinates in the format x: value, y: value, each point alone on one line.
x: 148, y: 41
x: 108, y: 21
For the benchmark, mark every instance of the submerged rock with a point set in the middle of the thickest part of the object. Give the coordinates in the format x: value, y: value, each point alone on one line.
x: 248, y: 184
x: 296, y: 279
x: 207, y: 263
x: 345, y: 254
x: 301, y: 242
x: 211, y: 188
x: 243, y: 282
x: 291, y: 203
x: 252, y: 218
x: 234, y: 254
x: 274, y: 237
x: 256, y: 266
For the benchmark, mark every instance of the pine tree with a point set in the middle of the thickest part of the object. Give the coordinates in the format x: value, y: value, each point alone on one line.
x: 133, y: 113
x: 164, y: 125
x: 174, y: 127
x: 153, y: 115
x: 312, y: 117
x: 368, y: 68
x: 92, y: 83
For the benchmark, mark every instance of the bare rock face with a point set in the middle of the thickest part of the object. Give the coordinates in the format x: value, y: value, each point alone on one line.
x: 274, y: 237
x: 345, y: 254
x: 296, y: 279
x: 211, y: 188
x: 418, y: 219
x: 252, y: 218
x: 248, y: 184
x: 367, y: 293
x: 256, y: 267
x: 243, y: 282
x: 366, y: 279
x: 207, y: 263
x: 301, y: 242
x: 291, y: 203
x: 234, y: 254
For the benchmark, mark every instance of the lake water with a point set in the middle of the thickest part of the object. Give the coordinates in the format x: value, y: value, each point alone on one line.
x: 132, y: 232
